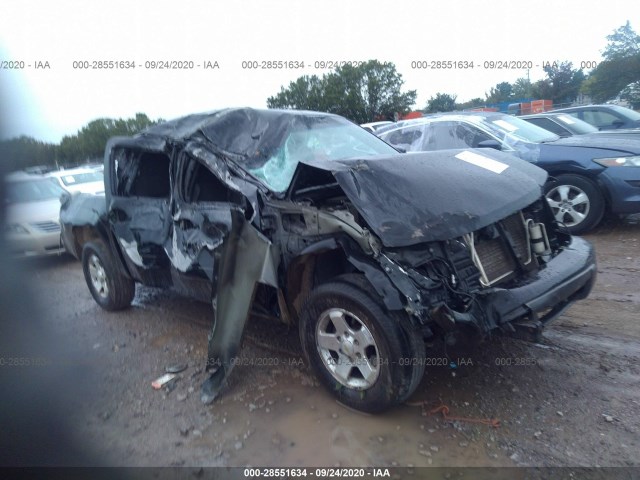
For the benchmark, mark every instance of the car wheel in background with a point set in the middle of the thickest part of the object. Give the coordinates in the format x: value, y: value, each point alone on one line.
x: 576, y: 202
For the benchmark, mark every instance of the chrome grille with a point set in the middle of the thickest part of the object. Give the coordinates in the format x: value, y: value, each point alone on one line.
x: 49, y: 227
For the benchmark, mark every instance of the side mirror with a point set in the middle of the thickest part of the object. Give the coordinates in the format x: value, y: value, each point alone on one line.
x: 401, y: 150
x: 490, y: 144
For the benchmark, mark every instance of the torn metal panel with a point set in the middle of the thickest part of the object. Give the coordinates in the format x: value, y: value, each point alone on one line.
x: 131, y: 250
x: 82, y: 209
x: 141, y: 227
x: 247, y: 258
x: 219, y: 168
x: 197, y: 232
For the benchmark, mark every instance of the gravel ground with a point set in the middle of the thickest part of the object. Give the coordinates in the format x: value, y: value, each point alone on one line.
x: 572, y: 400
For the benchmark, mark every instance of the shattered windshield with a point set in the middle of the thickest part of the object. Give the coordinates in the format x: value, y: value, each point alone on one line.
x: 314, y: 142
x: 269, y: 144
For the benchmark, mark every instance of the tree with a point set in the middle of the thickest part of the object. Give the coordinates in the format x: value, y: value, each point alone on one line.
x: 362, y: 93
x: 610, y: 77
x: 305, y: 93
x: 542, y: 89
x: 562, y: 84
x: 522, y: 88
x: 442, y: 102
x: 88, y: 144
x: 624, y: 42
x: 90, y: 141
x: 473, y: 103
x: 619, y: 73
x: 22, y: 152
x: 502, y: 92
x: 631, y: 93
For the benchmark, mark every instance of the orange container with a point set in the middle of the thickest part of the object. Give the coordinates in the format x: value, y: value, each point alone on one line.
x: 539, y: 106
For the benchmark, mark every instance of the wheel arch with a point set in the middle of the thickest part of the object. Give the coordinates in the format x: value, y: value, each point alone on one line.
x: 328, y: 259
x: 82, y: 234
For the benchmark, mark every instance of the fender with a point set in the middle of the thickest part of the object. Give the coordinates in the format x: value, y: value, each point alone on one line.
x: 380, y: 281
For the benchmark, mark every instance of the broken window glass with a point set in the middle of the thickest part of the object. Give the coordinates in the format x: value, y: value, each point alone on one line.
x: 142, y: 174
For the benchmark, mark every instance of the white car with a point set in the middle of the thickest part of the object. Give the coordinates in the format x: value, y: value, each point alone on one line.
x: 80, y: 180
x: 33, y: 211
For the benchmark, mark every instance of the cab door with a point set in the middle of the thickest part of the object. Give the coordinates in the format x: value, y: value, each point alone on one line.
x: 138, y: 200
x: 206, y: 213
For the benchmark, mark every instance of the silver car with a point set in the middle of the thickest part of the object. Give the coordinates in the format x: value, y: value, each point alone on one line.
x: 33, y: 207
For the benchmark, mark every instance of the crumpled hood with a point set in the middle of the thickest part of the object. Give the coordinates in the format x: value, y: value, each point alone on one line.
x: 429, y: 196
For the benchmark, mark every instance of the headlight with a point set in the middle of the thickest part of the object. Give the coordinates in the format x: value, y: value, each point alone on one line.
x: 633, y: 161
x: 16, y: 228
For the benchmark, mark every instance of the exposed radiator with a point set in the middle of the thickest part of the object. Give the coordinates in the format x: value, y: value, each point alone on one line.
x: 494, y: 257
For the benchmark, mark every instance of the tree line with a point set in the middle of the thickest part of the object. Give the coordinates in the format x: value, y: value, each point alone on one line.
x: 373, y: 90
x: 366, y: 92
x: 86, y: 146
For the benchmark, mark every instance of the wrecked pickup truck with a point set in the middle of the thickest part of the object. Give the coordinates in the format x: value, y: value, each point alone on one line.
x: 370, y: 252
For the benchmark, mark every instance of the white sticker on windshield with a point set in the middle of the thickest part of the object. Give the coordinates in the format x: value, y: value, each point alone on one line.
x: 69, y: 179
x: 482, y: 161
x: 566, y: 119
x: 505, y: 125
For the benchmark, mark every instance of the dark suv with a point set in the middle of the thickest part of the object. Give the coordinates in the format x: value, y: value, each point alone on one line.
x: 370, y: 252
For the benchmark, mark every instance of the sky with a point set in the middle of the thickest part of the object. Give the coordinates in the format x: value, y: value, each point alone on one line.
x: 46, y: 95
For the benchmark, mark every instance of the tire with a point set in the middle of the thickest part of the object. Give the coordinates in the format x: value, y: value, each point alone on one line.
x: 109, y: 287
x: 360, y: 352
x: 576, y: 202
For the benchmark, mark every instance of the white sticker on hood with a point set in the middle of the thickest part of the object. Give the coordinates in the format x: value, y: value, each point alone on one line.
x: 482, y: 161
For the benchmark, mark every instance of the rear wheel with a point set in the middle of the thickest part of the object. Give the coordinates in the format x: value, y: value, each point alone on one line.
x: 111, y: 289
x: 360, y: 352
x: 576, y: 202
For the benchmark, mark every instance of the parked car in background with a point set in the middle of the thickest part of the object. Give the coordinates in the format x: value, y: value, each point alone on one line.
x: 373, y: 126
x: 589, y: 174
x: 562, y: 124
x: 32, y: 212
x: 369, y: 251
x: 80, y: 180
x: 565, y: 125
x: 604, y: 117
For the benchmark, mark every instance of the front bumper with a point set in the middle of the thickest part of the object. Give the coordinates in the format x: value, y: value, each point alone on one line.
x: 623, y: 185
x: 570, y: 276
x: 34, y: 244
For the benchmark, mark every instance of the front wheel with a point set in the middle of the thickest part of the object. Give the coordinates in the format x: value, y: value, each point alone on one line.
x: 576, y: 202
x: 359, y: 352
x: 111, y: 289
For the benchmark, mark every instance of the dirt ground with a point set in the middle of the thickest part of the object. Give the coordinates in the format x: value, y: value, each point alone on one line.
x: 572, y: 400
